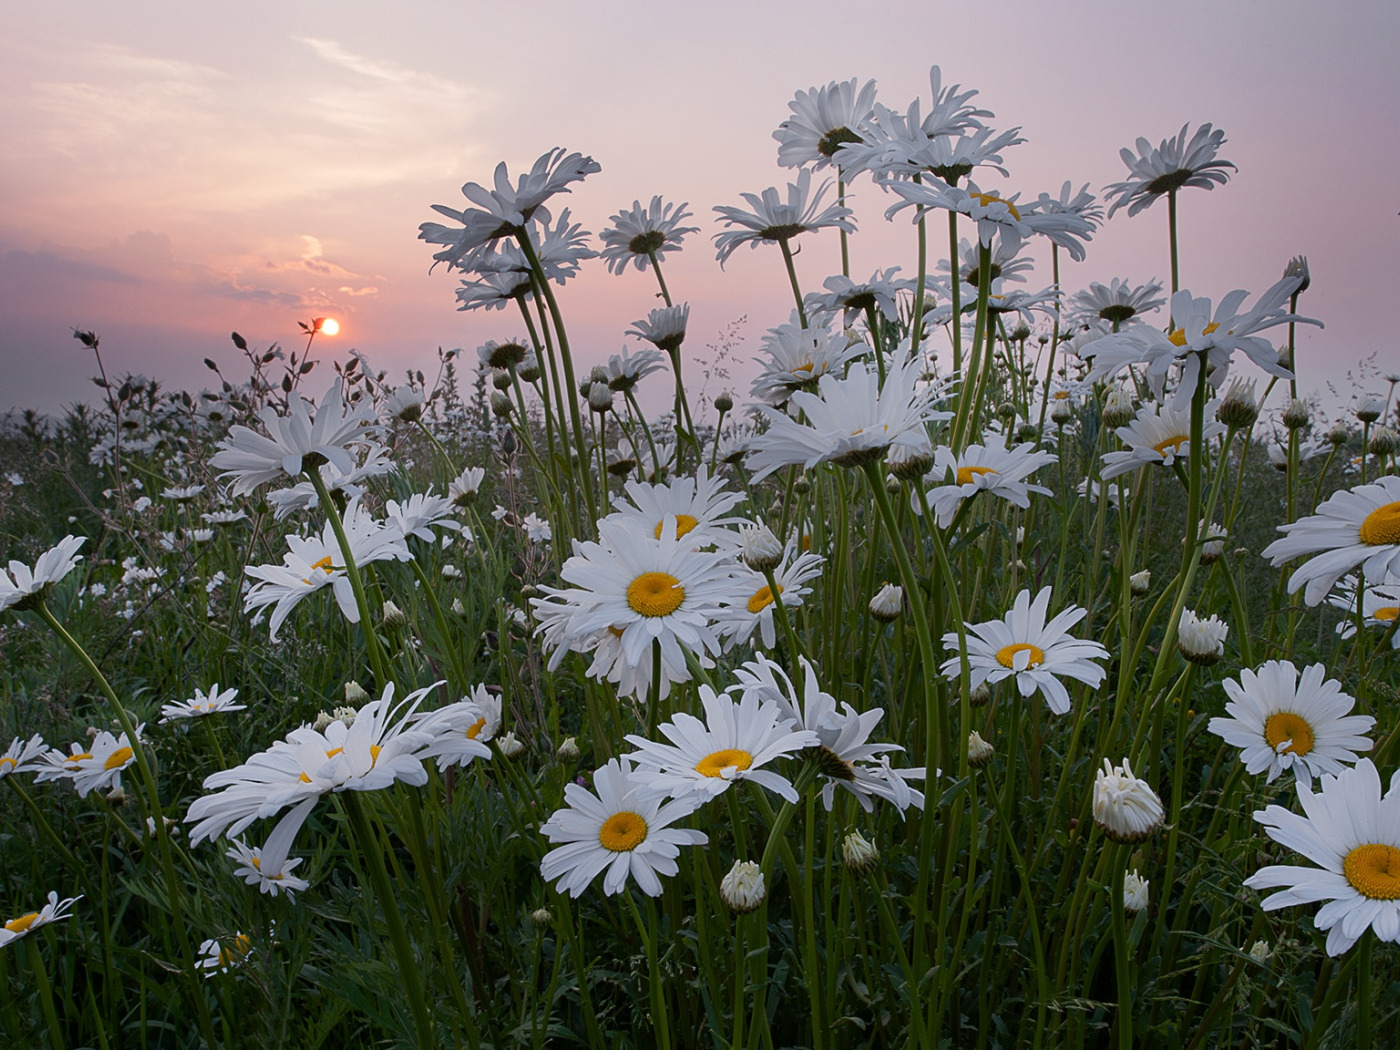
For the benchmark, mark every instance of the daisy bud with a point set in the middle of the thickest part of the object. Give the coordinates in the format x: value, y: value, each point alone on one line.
x: 542, y: 918
x: 743, y: 889
x: 979, y: 752
x: 117, y: 795
x: 323, y: 719
x: 859, y: 856
x: 1134, y: 892
x: 1140, y: 582
x: 500, y: 404
x: 500, y: 380
x: 1006, y: 411
x: 1062, y: 412
x: 345, y: 715
x: 568, y: 750
x: 1201, y: 641
x: 1212, y: 542
x: 355, y: 694
x: 1126, y: 809
x: 393, y: 618
x: 888, y: 603
x: 510, y: 746
x: 1027, y: 432
x: 1295, y: 416
x: 172, y: 828
x: 529, y: 368
x: 1020, y: 333
x: 1118, y: 409
x: 1261, y: 953
x: 980, y: 696
x: 892, y: 484
x: 458, y: 607
x: 1370, y: 409
x: 910, y: 462
x: 600, y: 397
x: 1384, y: 442
x: 802, y: 485
x: 1338, y: 435
x: 92, y: 732
x: 1278, y: 457
x: 724, y: 401
x: 1298, y: 267
x: 762, y: 550
x: 1239, y: 409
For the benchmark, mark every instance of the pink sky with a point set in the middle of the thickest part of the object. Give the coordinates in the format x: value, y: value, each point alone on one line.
x: 169, y: 174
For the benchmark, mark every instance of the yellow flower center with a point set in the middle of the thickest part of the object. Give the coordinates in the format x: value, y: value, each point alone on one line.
x: 118, y: 758
x: 1178, y: 337
x: 615, y: 631
x: 79, y: 756
x: 22, y: 924
x: 474, y: 730
x: 684, y: 523
x: 988, y: 199
x: 623, y: 832
x: 1172, y: 445
x: 237, y: 950
x: 1287, y: 726
x: 967, y: 474
x: 8, y: 759
x: 808, y: 367
x: 1374, y: 871
x: 1385, y: 613
x: 762, y: 599
x: 714, y: 765
x: 655, y: 594
x: 324, y: 564
x: 1006, y: 655
x: 1382, y: 525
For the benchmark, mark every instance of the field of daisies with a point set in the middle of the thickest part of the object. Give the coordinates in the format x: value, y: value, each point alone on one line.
x: 1004, y: 668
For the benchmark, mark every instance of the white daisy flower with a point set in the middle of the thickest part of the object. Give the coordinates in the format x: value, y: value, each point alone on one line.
x: 733, y: 743
x: 849, y: 421
x: 793, y: 358
x: 182, y: 494
x: 739, y: 621
x: 664, y: 328
x: 647, y: 589
x: 22, y: 586
x: 216, y: 958
x: 268, y: 867
x: 880, y: 293
x: 1352, y: 832
x: 1159, y: 435
x: 1126, y: 809
x: 253, y: 459
x: 773, y: 221
x: 1357, y: 528
x: 617, y: 832
x: 96, y: 767
x: 994, y: 215
x: 55, y: 909
x: 982, y: 468
x: 404, y: 404
x: 637, y: 234
x: 23, y: 756
x: 700, y: 506
x: 843, y: 753
x: 1119, y: 302
x: 626, y: 369
x: 463, y: 488
x: 1169, y: 167
x: 1024, y: 646
x: 823, y: 121
x: 1285, y: 722
x: 459, y: 732
x: 302, y: 496
x: 201, y: 704
x: 1380, y: 605
x: 419, y: 515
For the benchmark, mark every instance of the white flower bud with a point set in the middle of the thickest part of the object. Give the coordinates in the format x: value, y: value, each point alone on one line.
x: 509, y: 745
x: 1296, y: 415
x: 1134, y: 892
x: 542, y: 918
x: 1239, y: 409
x: 1126, y: 809
x: 859, y: 856
x: 1118, y: 408
x: 979, y: 752
x: 1201, y: 641
x: 743, y: 889
x: 888, y: 603
x: 1370, y: 409
x: 393, y: 618
x: 568, y: 750
x: 1140, y: 582
x: 763, y: 552
x: 355, y: 694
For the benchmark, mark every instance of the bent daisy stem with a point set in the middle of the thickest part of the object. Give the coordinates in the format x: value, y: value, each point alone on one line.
x: 352, y: 572
x: 149, y: 801
x: 369, y: 848
x: 792, y: 277
x: 916, y: 319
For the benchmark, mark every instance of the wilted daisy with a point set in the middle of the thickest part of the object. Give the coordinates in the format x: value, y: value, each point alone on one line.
x: 305, y: 437
x: 1126, y: 809
x: 1159, y: 435
x: 733, y: 743
x: 793, y: 357
x: 1036, y: 653
x: 22, y: 586
x: 774, y: 222
x: 618, y: 832
x: 96, y: 767
x: 823, y: 121
x: 982, y: 468
x: 1352, y: 832
x: 1282, y: 721
x: 202, y: 704
x: 55, y: 909
x: 1357, y: 528
x: 1169, y: 167
x: 637, y: 234
x: 849, y: 421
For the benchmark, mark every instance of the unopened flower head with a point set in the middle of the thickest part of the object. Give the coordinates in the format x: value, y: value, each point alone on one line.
x: 1201, y: 641
x: 888, y: 603
x: 859, y: 855
x: 1140, y: 582
x: 1369, y: 410
x: 743, y: 888
x: 979, y: 752
x: 1126, y: 809
x: 762, y: 550
x: 1134, y: 892
x: 1296, y: 416
x: 1239, y: 408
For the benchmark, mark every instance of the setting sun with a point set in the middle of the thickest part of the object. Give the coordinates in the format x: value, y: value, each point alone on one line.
x: 328, y: 326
